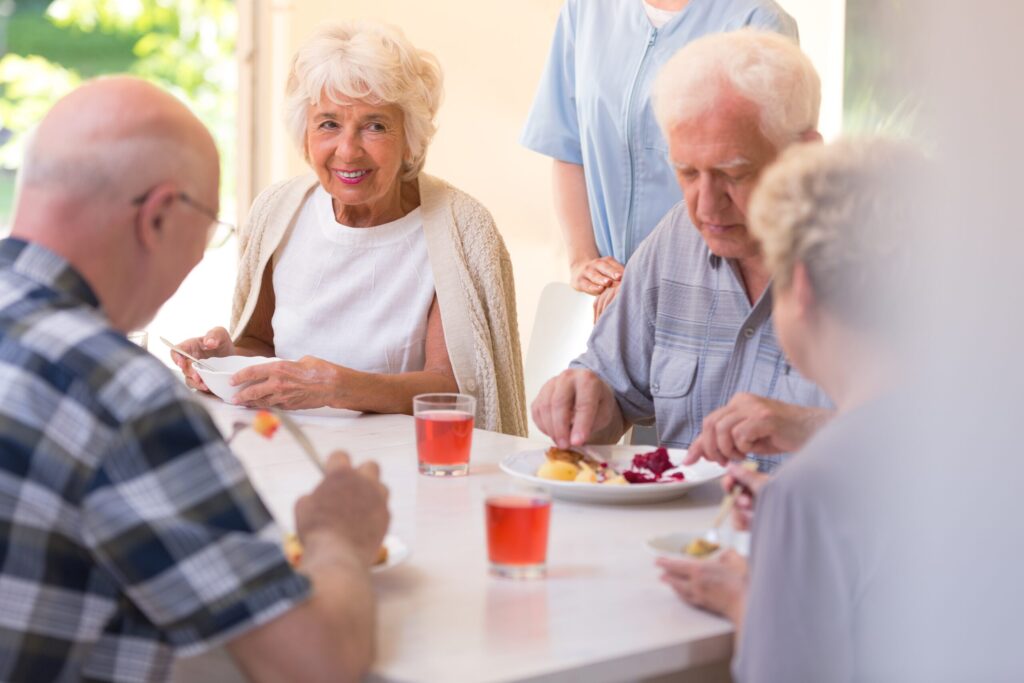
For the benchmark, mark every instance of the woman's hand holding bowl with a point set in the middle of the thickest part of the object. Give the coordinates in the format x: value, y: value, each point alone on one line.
x: 290, y: 385
x: 214, y: 344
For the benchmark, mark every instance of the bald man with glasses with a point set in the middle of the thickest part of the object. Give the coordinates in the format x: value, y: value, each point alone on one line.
x: 129, y: 533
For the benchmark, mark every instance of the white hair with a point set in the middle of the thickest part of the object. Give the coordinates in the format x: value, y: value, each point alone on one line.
x: 370, y: 62
x: 105, y: 169
x: 766, y: 68
x: 846, y: 211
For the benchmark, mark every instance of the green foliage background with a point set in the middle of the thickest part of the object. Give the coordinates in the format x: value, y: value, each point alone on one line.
x: 186, y: 47
x: 879, y: 93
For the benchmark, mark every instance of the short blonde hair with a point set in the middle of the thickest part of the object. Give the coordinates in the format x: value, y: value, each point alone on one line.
x: 766, y: 68
x: 371, y: 62
x: 846, y: 211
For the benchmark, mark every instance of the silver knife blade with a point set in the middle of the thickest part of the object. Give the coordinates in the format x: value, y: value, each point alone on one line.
x: 300, y: 436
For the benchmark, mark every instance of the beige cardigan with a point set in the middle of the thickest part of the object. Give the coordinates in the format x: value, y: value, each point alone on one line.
x: 472, y: 277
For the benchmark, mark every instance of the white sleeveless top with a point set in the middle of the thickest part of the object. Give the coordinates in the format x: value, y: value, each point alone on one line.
x: 358, y: 297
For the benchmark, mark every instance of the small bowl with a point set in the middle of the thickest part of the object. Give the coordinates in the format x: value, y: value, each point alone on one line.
x: 672, y: 545
x: 219, y: 378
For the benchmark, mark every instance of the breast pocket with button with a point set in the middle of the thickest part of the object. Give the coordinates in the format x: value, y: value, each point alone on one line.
x: 673, y: 374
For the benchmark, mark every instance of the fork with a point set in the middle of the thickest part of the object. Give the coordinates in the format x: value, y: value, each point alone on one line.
x: 728, y: 503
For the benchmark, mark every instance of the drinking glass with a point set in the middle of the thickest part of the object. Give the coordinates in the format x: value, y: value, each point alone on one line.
x: 444, y: 433
x: 517, y: 531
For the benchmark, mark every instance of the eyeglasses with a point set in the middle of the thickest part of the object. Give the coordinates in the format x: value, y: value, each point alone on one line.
x: 222, y: 230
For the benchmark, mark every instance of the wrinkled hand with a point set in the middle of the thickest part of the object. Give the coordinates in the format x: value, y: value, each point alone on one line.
x: 754, y: 424
x: 572, y: 406
x: 716, y: 584
x: 291, y: 385
x: 751, y: 484
x: 605, y: 298
x: 350, y: 505
x: 595, y: 275
x: 214, y: 344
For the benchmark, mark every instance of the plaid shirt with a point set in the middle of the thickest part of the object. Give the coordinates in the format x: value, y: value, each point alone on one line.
x: 128, y: 531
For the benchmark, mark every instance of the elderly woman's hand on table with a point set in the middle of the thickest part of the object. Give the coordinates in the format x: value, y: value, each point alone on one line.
x: 214, y: 344
x: 291, y: 385
x: 717, y: 584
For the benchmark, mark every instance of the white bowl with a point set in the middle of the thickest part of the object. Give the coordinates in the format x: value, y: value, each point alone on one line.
x: 672, y: 545
x: 219, y: 378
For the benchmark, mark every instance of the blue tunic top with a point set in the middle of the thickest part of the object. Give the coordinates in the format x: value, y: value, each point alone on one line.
x: 593, y: 104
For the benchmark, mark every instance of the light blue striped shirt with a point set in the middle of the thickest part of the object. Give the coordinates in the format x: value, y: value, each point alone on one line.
x: 681, y: 338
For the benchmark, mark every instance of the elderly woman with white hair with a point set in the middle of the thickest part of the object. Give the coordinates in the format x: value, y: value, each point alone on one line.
x: 374, y: 280
x: 836, y: 223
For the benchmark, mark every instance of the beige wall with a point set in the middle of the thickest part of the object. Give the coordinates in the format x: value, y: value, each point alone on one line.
x: 492, y: 54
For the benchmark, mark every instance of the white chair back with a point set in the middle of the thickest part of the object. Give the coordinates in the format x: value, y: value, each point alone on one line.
x: 561, y: 328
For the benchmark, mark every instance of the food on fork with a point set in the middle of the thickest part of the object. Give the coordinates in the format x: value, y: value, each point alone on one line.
x: 293, y: 551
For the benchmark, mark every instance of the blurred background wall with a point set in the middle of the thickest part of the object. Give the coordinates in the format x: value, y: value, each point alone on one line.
x: 229, y: 58
x: 492, y: 55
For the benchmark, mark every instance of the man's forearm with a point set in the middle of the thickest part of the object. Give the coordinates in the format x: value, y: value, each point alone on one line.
x: 329, y: 637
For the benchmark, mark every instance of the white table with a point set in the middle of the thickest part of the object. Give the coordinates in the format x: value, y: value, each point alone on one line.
x: 600, y: 615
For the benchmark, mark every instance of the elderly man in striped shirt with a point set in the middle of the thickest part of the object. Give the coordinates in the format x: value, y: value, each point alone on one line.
x: 689, y: 342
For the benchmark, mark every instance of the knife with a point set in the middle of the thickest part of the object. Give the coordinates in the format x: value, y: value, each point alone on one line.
x: 300, y: 436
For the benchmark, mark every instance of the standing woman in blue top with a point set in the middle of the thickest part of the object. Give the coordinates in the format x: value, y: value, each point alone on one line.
x: 592, y: 115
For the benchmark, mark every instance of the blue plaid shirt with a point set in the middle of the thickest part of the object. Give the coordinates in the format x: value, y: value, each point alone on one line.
x: 128, y: 530
x: 681, y: 338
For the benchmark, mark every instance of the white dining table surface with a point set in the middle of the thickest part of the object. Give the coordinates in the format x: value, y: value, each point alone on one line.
x: 601, y: 614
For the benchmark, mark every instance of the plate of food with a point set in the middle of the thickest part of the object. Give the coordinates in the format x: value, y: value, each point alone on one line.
x: 393, y: 552
x: 611, y: 474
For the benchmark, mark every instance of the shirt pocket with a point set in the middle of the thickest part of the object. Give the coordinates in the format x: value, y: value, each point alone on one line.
x: 673, y: 375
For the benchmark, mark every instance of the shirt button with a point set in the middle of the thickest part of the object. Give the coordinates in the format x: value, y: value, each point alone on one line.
x: 654, y: 386
x: 471, y: 385
x: 749, y: 332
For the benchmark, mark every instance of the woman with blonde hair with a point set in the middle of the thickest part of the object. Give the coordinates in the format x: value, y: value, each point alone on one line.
x: 374, y: 280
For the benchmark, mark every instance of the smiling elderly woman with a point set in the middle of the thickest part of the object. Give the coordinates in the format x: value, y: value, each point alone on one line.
x: 380, y: 281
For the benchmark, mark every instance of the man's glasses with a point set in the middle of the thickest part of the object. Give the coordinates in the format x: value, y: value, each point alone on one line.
x: 222, y: 230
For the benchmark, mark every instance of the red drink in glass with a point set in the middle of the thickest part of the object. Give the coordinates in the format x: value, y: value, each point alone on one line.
x: 517, y: 534
x: 444, y: 433
x: 443, y: 437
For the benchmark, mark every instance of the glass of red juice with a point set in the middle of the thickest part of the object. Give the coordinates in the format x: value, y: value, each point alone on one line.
x: 517, y: 531
x: 444, y: 433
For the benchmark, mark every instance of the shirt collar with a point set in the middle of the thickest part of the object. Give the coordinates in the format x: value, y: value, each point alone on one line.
x: 46, y: 268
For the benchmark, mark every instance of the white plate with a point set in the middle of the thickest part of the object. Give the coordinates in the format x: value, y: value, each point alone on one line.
x: 524, y: 465
x: 398, y: 552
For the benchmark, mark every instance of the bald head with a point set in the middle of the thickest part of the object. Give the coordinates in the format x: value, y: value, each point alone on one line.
x: 102, y: 185
x: 114, y: 133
